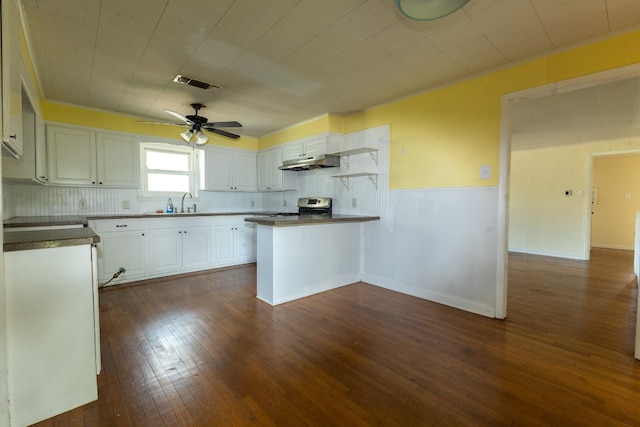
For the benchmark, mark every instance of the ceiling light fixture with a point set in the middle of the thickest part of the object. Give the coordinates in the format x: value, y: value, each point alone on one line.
x: 428, y: 10
x: 201, y: 138
x: 187, y: 135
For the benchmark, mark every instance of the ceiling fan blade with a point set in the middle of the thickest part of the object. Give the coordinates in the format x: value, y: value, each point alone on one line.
x: 180, y: 116
x: 163, y: 123
x: 224, y: 124
x: 223, y: 133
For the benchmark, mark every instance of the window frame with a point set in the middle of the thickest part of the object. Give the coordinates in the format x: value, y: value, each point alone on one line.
x: 193, y: 173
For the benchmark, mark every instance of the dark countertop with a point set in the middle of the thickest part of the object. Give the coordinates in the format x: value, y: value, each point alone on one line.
x: 297, y: 220
x: 43, y: 239
x: 45, y: 221
x: 163, y: 215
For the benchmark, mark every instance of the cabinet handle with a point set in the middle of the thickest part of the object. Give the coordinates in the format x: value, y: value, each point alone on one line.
x: 14, y: 136
x: 120, y: 225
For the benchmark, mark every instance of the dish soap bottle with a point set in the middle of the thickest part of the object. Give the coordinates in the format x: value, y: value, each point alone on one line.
x: 169, y: 206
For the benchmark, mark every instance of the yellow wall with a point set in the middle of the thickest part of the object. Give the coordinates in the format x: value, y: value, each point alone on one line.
x: 617, y: 179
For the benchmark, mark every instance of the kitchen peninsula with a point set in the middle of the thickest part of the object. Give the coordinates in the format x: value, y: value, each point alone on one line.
x: 304, y: 255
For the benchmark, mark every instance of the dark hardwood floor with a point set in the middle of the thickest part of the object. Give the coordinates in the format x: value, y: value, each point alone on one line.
x: 201, y: 350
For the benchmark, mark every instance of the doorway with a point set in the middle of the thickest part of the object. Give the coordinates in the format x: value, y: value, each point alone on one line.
x: 579, y: 194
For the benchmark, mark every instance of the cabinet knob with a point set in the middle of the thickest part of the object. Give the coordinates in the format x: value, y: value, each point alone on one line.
x: 143, y: 234
x: 93, y: 182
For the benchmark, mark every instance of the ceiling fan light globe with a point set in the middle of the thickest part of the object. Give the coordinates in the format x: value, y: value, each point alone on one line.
x: 428, y: 10
x: 187, y: 135
x: 201, y: 138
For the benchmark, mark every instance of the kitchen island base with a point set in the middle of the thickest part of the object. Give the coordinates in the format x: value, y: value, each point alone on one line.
x: 295, y: 262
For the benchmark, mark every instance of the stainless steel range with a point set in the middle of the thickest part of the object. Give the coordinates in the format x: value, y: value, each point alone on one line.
x: 314, y: 206
x: 311, y: 206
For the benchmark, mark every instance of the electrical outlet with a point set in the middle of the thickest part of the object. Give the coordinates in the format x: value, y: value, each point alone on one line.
x: 82, y: 204
x: 253, y: 204
x: 354, y: 203
x: 125, y: 204
x: 285, y: 203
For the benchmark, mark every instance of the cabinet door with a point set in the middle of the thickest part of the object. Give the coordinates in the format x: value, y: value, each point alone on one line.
x: 196, y: 247
x: 292, y: 150
x: 71, y: 156
x: 245, y: 244
x: 118, y: 161
x: 269, y: 176
x: 127, y: 250
x: 223, y: 244
x: 11, y: 81
x: 275, y: 174
x: 164, y: 248
x: 218, y: 163
x: 315, y: 147
x: 244, y: 171
x: 264, y: 162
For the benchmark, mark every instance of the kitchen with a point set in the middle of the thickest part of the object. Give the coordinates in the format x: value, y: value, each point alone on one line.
x: 435, y: 182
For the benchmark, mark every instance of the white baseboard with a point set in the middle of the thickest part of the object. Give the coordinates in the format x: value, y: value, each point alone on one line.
x: 437, y: 297
x: 549, y: 254
x: 607, y: 246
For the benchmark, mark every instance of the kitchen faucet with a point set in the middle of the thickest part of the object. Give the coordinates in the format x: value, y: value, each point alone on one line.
x: 182, y: 204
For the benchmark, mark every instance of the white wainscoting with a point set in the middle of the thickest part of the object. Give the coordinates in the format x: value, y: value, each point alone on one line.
x: 437, y: 244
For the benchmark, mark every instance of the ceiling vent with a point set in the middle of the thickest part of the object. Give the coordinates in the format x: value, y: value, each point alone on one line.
x: 195, y: 83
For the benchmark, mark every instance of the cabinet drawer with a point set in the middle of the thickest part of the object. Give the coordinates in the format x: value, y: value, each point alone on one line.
x: 118, y: 225
x: 178, y: 222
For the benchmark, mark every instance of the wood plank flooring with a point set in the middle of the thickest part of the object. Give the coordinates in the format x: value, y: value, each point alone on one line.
x: 201, y: 350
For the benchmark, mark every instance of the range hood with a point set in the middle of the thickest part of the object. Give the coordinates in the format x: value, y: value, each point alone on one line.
x: 311, y: 162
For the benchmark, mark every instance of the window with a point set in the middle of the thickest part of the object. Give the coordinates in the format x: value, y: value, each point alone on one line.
x: 168, y: 170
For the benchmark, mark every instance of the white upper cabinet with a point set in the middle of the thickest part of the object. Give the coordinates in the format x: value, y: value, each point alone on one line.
x: 11, y: 81
x: 71, y: 156
x: 32, y: 164
x: 117, y: 161
x: 83, y: 157
x: 306, y: 147
x: 270, y: 178
x: 228, y: 169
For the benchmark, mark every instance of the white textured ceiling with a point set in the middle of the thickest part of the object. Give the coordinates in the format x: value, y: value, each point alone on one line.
x: 604, y: 112
x: 281, y: 62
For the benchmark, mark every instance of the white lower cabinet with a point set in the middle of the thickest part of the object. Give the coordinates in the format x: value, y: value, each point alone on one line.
x: 122, y: 245
x: 196, y: 248
x: 179, y: 244
x: 165, y: 250
x: 155, y: 247
x: 234, y: 241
